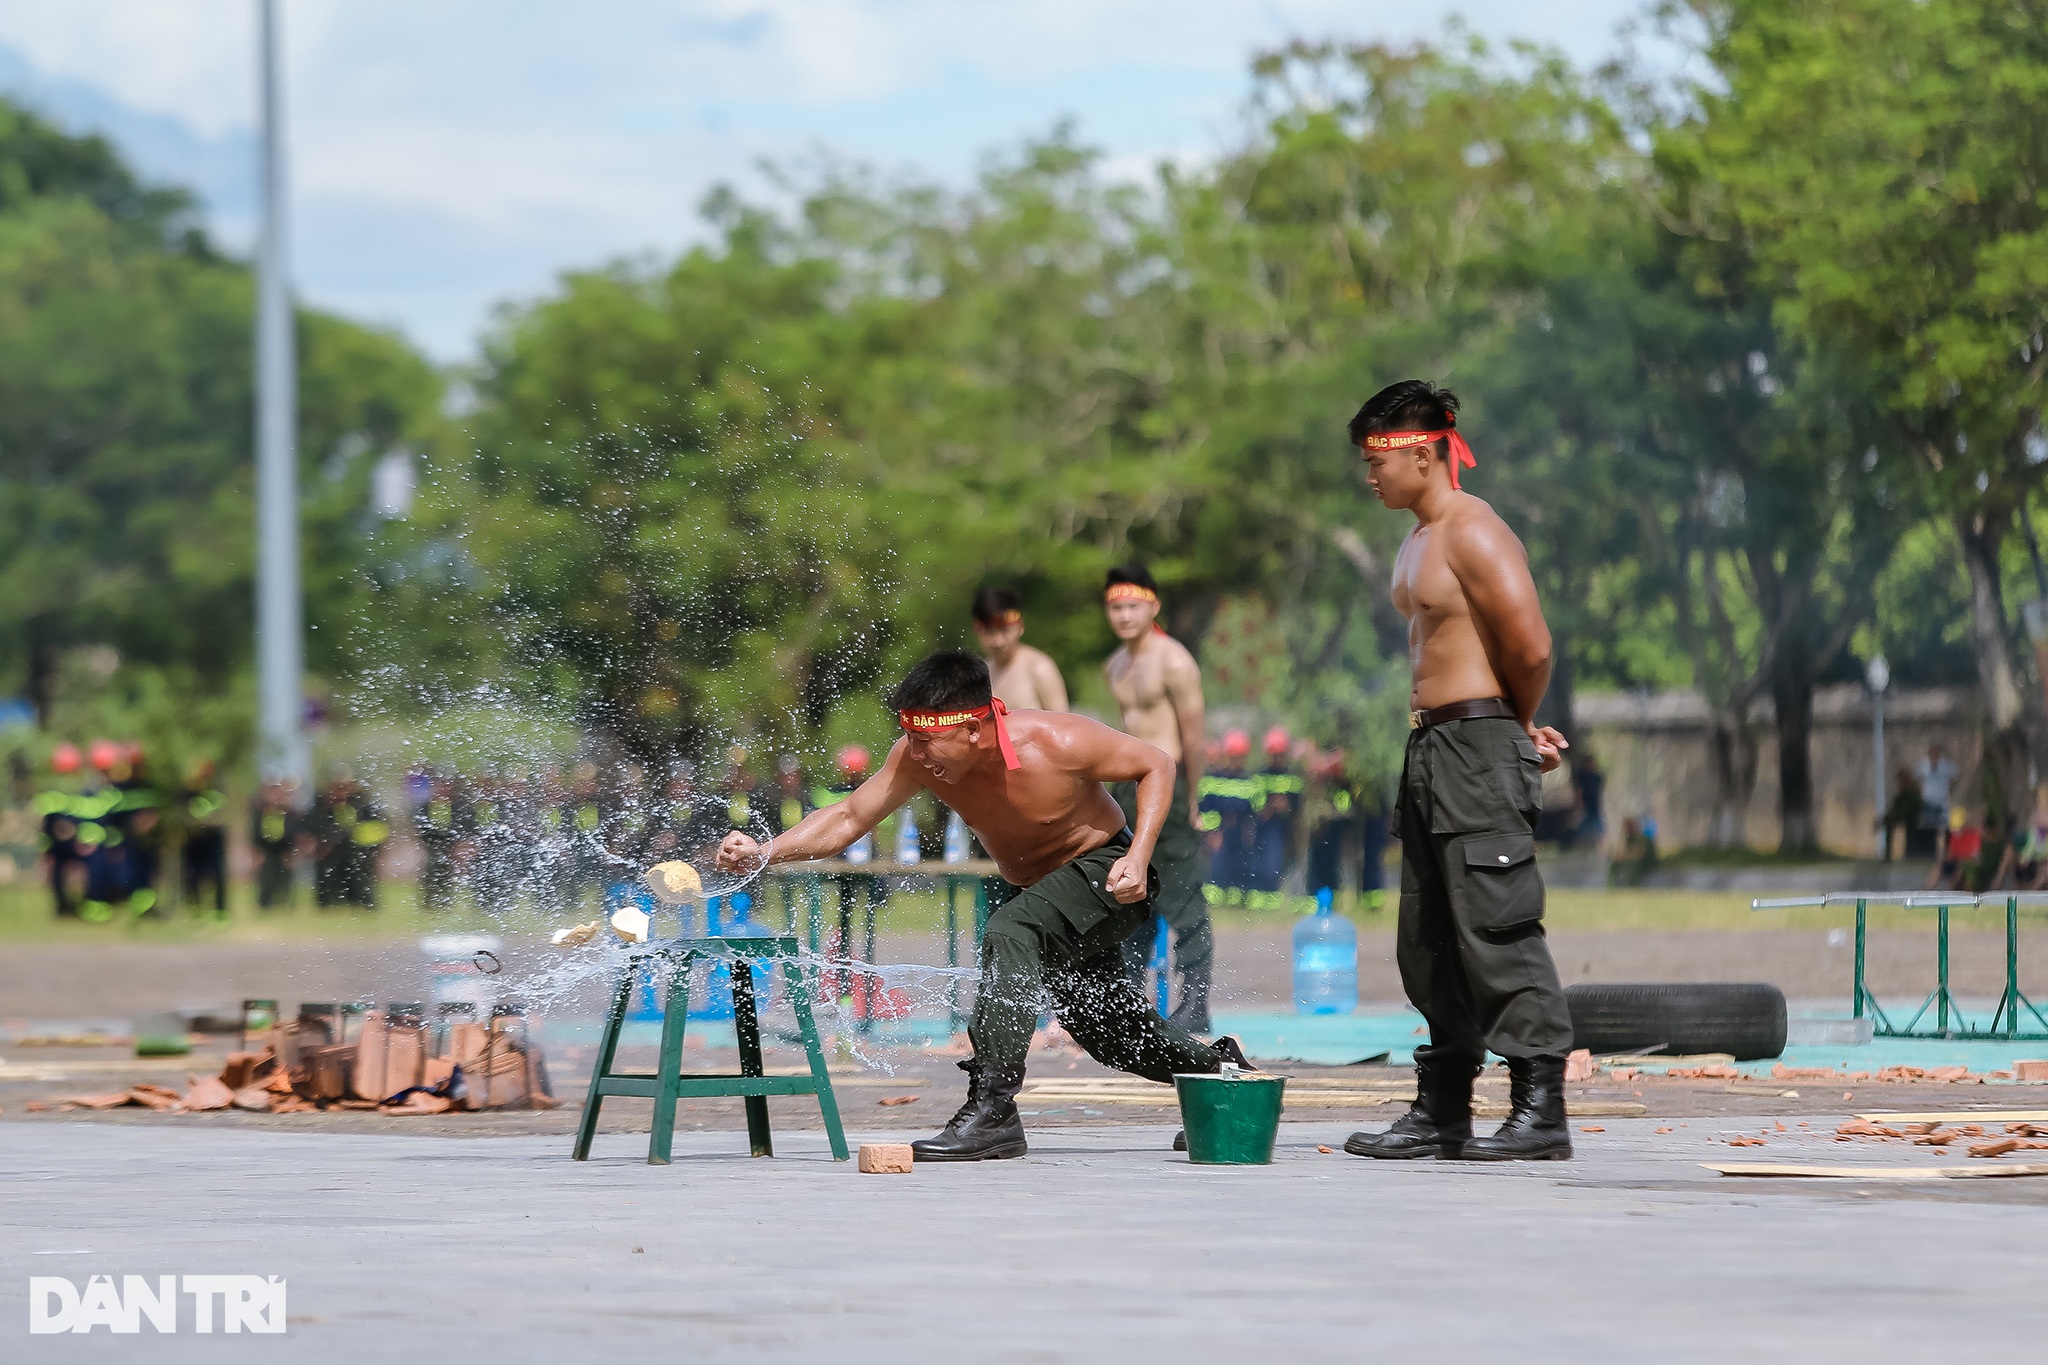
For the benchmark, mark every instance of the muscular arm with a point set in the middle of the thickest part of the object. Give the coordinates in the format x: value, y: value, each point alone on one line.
x: 1184, y: 690
x: 830, y: 829
x: 1093, y: 750
x: 1493, y: 569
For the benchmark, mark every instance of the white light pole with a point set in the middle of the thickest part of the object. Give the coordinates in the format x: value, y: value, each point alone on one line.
x: 281, y: 751
x: 1878, y: 674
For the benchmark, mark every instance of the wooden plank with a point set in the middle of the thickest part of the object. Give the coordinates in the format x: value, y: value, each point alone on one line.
x: 1986, y: 1169
x: 1964, y: 1116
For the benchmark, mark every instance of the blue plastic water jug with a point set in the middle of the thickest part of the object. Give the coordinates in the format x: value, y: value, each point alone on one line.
x: 956, y: 839
x: 1325, y: 962
x: 908, y: 849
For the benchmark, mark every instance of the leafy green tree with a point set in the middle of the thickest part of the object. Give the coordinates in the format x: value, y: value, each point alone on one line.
x: 1886, y: 158
x: 126, y: 515
x: 669, y: 530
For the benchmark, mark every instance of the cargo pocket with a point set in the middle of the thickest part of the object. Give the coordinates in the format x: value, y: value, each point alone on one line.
x: 1500, y: 887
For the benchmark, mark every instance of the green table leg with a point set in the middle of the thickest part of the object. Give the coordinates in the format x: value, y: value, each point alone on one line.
x: 747, y: 1025
x: 2009, y: 1008
x: 607, y: 1046
x: 828, y: 1106
x: 675, y: 1014
x: 1941, y: 971
x: 952, y: 954
x: 866, y: 1020
x: 843, y: 949
x: 1861, y: 991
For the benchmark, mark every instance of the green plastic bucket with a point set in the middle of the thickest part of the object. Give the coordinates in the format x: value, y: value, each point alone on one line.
x: 1231, y: 1119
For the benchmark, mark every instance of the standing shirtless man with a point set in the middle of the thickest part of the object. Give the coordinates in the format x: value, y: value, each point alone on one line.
x: 1470, y: 940
x: 1030, y: 785
x: 1158, y: 685
x: 1025, y: 678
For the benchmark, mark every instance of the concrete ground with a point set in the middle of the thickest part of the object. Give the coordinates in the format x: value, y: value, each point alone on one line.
x: 1100, y: 1245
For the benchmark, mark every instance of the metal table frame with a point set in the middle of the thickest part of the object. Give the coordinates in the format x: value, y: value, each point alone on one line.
x: 2006, y: 1021
x: 803, y: 883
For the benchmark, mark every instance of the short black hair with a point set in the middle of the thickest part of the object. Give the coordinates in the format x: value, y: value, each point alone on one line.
x: 1411, y: 405
x: 1130, y: 573
x: 991, y: 603
x: 949, y: 680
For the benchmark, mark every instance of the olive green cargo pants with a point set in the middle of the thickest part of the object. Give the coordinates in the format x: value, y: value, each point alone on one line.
x: 1060, y: 940
x: 1470, y: 941
x: 1179, y: 859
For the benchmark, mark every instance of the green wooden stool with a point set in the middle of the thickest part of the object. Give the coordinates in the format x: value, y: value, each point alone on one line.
x: 669, y: 1083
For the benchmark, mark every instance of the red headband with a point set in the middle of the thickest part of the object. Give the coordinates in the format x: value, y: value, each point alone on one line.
x: 1401, y: 440
x: 926, y: 721
x: 1133, y: 592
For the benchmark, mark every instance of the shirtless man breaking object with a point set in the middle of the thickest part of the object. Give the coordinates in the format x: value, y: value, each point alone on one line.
x: 1030, y: 785
x: 1470, y: 939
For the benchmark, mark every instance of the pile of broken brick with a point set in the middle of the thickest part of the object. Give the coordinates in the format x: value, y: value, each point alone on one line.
x: 396, y: 1064
x: 2019, y: 1137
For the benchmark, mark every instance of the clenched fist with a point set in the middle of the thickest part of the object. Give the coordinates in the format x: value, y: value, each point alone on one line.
x: 739, y: 853
x: 1127, y: 878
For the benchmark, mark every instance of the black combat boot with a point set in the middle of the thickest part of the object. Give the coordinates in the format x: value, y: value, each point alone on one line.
x: 1536, y: 1129
x: 988, y: 1127
x: 1227, y: 1048
x: 1438, y: 1124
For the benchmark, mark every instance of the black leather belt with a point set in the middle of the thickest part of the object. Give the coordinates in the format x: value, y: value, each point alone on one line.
x: 1460, y: 710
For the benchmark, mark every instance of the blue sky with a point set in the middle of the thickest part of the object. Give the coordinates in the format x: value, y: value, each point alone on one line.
x: 449, y: 155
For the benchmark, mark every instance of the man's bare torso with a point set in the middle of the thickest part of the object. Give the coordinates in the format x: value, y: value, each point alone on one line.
x: 1015, y: 679
x: 1041, y: 815
x: 1450, y: 653
x: 1139, y: 684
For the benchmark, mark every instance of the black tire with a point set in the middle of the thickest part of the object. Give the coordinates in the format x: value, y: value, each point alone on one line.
x: 1746, y: 1019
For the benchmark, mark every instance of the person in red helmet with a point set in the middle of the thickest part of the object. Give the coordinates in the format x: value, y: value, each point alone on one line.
x: 66, y: 815
x: 1279, y: 812
x: 1158, y: 688
x: 1230, y: 803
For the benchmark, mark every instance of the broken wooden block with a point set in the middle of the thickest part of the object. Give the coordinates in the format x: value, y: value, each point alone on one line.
x: 2030, y: 1071
x: 1579, y: 1066
x: 675, y: 882
x: 885, y: 1158
x: 576, y: 935
x: 632, y: 924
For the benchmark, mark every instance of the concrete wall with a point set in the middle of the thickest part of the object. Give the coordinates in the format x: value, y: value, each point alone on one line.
x: 1656, y: 751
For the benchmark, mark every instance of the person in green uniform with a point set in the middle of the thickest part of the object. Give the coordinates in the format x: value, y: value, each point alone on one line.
x: 437, y: 824
x: 1469, y: 942
x: 274, y: 831
x: 1031, y: 785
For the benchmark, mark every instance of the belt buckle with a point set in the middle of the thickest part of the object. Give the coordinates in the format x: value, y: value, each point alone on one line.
x: 1415, y: 719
